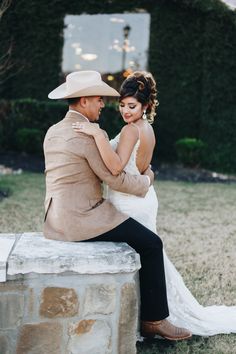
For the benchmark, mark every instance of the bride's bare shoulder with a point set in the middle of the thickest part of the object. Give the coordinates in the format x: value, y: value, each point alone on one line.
x: 129, y: 130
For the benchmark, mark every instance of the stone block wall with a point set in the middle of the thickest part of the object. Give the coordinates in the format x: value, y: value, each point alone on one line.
x: 68, y: 298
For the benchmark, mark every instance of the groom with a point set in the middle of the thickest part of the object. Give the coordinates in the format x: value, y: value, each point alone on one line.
x: 75, y: 209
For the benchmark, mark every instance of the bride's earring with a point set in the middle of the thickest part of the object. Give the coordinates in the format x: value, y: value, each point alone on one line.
x: 144, y: 116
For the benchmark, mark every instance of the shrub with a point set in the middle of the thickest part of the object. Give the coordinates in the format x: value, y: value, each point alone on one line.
x: 30, y: 140
x: 190, y: 151
x: 24, y: 122
x: 1, y: 138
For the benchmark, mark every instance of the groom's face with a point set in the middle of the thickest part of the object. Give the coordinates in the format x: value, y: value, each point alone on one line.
x: 94, y: 106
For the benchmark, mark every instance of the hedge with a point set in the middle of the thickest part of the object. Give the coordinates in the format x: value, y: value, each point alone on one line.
x: 192, y: 55
x: 23, y: 123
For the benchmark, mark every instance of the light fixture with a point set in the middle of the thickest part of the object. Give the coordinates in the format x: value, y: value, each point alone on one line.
x: 126, y: 31
x: 89, y: 56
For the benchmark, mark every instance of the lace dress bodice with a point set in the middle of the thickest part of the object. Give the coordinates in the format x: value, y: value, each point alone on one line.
x: 131, y: 166
x: 144, y: 210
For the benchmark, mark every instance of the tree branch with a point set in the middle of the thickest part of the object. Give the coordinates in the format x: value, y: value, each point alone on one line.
x: 4, y: 6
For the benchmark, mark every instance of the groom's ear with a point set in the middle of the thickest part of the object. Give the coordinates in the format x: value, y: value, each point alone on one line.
x: 83, y: 101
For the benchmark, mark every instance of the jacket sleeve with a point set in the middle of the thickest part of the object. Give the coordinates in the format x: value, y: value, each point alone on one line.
x: 124, y: 182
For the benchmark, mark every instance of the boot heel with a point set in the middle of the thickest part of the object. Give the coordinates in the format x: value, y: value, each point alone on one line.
x: 148, y: 335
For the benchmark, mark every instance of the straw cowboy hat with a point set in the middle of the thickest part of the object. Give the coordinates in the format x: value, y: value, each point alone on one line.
x: 81, y: 84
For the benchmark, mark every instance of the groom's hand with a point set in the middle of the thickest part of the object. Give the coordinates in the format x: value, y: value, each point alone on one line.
x: 148, y: 172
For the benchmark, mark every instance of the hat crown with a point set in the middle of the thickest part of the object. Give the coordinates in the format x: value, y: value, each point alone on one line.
x: 83, y: 83
x: 82, y: 78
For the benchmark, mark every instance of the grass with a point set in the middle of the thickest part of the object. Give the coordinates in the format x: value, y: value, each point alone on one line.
x: 23, y: 210
x: 197, y: 223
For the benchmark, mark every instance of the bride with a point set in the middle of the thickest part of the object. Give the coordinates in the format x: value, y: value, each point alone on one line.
x: 132, y: 150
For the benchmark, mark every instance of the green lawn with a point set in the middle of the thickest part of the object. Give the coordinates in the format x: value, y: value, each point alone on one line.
x: 23, y: 210
x: 197, y: 223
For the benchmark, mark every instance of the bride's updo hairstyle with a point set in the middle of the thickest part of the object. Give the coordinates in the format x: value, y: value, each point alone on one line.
x: 142, y: 86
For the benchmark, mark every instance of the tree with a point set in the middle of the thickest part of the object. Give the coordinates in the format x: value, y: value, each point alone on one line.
x: 6, y: 62
x: 4, y: 6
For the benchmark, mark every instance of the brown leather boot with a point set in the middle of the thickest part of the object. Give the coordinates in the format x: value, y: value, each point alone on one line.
x: 164, y: 329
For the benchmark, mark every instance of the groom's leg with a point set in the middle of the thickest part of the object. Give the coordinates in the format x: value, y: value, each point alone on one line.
x: 152, y: 277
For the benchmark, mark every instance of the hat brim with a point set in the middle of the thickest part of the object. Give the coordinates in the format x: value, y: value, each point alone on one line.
x: 98, y: 90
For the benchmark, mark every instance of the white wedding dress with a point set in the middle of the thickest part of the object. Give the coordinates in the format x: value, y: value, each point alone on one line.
x: 184, y: 309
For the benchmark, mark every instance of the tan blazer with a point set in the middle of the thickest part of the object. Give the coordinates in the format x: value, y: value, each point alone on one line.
x: 74, y: 207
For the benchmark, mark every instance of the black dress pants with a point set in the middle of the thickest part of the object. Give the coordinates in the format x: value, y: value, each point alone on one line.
x: 154, y: 305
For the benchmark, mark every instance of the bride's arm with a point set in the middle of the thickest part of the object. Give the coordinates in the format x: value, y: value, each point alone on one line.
x: 115, y: 161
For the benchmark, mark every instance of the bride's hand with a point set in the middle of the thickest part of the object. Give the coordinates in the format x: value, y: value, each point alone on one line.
x: 87, y: 128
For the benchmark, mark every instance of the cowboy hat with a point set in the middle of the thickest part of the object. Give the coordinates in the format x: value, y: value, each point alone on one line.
x: 81, y: 84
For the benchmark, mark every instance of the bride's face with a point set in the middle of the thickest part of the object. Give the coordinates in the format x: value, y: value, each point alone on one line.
x: 131, y: 109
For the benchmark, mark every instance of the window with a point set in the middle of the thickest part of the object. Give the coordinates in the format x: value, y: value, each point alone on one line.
x: 111, y: 44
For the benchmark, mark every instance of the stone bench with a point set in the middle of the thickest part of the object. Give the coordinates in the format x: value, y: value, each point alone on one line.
x: 67, y: 297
